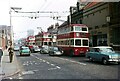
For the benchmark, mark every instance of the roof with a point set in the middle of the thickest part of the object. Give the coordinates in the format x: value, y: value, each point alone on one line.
x: 90, y: 4
x: 24, y: 47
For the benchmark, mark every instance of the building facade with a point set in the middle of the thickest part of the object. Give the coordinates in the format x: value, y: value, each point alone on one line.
x: 53, y: 30
x: 102, y: 18
x: 4, y: 35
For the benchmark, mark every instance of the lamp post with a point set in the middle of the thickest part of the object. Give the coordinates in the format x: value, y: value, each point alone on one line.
x: 11, y: 29
x: 108, y: 36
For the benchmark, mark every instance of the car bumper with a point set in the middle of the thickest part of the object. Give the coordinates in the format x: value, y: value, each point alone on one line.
x: 25, y: 53
x: 114, y: 60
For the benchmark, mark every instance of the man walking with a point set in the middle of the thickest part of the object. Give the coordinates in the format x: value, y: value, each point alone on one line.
x: 10, y: 50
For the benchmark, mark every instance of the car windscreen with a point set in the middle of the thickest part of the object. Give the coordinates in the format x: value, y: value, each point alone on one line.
x: 106, y: 50
x: 25, y: 48
x: 36, y: 47
x: 55, y: 48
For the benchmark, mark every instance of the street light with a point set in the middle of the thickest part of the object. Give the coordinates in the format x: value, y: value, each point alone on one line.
x: 10, y: 12
x: 108, y: 21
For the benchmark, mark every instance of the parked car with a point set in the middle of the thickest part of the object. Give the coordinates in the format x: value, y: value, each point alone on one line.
x: 16, y: 48
x: 25, y: 51
x: 44, y: 50
x: 35, y: 49
x: 55, y: 51
x: 104, y: 54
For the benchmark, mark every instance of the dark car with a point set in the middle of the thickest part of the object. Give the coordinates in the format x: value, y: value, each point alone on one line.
x: 35, y: 49
x: 55, y: 51
x: 44, y: 50
x: 104, y: 54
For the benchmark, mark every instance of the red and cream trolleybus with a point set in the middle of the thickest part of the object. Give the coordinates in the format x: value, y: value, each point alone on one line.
x: 73, y: 38
x: 30, y: 42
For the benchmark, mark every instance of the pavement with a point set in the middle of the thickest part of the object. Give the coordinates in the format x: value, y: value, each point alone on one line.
x: 8, y: 69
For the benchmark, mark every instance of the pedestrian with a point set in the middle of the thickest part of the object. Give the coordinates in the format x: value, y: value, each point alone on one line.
x: 10, y: 50
x: 1, y: 54
x: 6, y: 47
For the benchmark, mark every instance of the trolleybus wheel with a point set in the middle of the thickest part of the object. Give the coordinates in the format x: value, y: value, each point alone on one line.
x: 71, y: 53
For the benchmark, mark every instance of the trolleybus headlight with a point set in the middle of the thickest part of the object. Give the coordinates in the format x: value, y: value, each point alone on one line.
x: 110, y: 56
x: 87, y: 50
x: 76, y: 49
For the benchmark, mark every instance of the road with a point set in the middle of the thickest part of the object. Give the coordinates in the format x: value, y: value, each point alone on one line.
x: 43, y: 66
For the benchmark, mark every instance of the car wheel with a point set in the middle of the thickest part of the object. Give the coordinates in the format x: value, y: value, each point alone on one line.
x: 20, y: 54
x: 104, y: 61
x: 90, y: 59
x: 41, y: 52
x: 50, y: 54
x: 71, y: 53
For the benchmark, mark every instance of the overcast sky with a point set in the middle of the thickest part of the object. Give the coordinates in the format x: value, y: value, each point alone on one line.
x: 22, y: 24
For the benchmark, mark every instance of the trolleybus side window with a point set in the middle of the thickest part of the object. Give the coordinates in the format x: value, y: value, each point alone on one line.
x: 72, y: 42
x: 78, y: 42
x: 72, y: 28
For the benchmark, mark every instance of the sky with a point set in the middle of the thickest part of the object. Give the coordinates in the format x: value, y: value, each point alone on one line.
x: 21, y: 22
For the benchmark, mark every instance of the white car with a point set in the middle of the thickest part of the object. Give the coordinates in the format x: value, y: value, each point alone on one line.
x: 16, y: 48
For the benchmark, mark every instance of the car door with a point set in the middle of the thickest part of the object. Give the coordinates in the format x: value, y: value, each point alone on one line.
x: 97, y: 54
x: 90, y: 53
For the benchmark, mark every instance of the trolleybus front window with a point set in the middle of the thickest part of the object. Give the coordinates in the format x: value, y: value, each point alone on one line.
x: 78, y: 28
x: 84, y: 29
x: 78, y: 42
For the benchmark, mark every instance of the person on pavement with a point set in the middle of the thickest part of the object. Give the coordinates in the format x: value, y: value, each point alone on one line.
x: 10, y: 50
x: 1, y: 54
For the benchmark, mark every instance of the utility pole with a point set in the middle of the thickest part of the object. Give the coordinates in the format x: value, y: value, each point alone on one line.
x: 11, y: 27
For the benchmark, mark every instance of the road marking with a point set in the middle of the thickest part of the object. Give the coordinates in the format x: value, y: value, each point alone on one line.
x: 52, y: 65
x: 44, y: 60
x: 48, y: 62
x: 27, y: 72
x: 20, y: 78
x: 72, y: 61
x: 52, y: 68
x: 36, y: 63
x: 10, y: 78
x: 58, y: 67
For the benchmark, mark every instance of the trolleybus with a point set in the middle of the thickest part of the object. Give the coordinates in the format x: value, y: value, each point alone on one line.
x: 73, y: 38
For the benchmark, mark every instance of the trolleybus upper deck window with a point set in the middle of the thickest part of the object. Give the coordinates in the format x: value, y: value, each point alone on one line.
x: 84, y: 29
